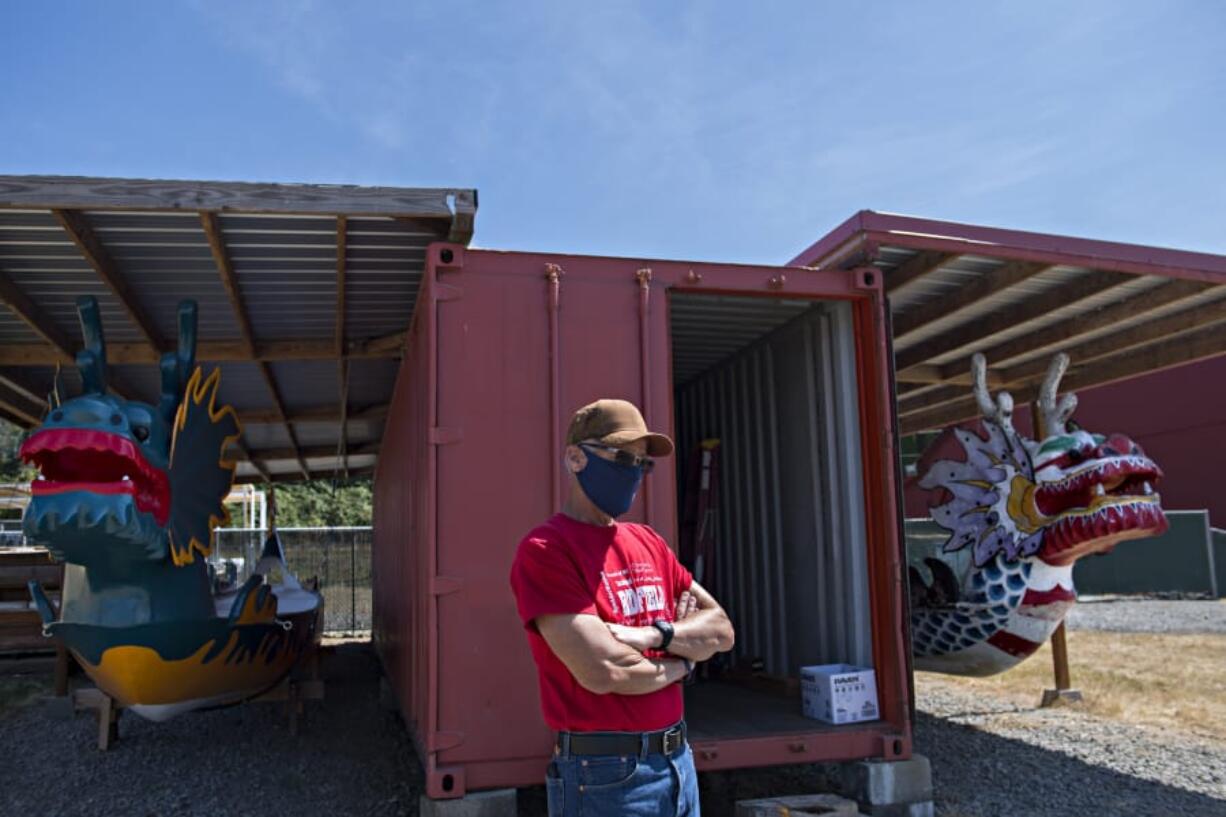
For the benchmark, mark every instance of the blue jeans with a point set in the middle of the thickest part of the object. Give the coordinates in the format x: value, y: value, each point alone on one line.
x: 645, y: 785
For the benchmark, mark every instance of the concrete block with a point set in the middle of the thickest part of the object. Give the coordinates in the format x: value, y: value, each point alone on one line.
x: 495, y: 803
x: 890, y: 788
x: 805, y: 805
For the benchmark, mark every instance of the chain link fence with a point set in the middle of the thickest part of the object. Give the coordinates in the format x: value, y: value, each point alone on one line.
x: 338, y: 557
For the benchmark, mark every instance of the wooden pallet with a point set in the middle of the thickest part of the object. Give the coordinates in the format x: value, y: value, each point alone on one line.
x: 21, y: 628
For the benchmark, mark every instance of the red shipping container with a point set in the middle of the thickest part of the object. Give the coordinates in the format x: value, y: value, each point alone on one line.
x: 789, y: 367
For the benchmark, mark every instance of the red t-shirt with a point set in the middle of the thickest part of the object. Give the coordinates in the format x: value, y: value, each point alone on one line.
x: 623, y: 573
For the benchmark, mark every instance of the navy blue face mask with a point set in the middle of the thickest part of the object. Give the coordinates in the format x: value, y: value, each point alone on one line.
x: 610, y: 485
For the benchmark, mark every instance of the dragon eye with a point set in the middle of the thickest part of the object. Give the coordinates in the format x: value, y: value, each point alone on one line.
x: 116, y: 419
x: 140, y: 432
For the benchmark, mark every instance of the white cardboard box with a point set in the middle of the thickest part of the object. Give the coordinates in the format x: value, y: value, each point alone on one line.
x: 839, y: 693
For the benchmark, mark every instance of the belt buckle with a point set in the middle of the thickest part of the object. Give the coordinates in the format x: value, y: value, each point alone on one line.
x: 672, y: 740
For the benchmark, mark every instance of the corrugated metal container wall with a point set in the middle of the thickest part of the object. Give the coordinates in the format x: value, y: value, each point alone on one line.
x: 503, y: 347
x: 791, y: 519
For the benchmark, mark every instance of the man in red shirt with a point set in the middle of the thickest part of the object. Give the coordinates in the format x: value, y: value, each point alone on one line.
x: 615, y: 623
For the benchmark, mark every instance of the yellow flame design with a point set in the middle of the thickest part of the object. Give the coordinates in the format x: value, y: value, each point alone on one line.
x: 198, y: 388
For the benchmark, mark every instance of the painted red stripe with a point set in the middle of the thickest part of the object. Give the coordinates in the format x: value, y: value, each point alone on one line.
x: 1013, y: 644
x: 1056, y: 594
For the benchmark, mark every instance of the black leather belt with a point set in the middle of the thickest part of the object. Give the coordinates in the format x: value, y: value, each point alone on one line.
x: 665, y: 741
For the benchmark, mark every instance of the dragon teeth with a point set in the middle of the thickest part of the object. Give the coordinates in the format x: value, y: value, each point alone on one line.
x: 1147, y: 489
x: 1099, y: 490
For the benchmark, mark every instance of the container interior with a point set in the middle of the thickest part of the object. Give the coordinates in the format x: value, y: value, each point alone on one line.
x: 774, y: 523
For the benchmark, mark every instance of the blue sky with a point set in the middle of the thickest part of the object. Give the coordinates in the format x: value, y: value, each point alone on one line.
x: 721, y: 131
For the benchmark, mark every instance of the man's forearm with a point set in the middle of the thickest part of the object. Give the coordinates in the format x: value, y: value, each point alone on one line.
x: 635, y: 674
x: 702, y: 635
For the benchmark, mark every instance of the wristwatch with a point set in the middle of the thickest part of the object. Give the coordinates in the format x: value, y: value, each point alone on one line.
x: 666, y: 630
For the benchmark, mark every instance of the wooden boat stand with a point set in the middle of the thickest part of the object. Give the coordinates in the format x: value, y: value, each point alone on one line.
x: 293, y: 691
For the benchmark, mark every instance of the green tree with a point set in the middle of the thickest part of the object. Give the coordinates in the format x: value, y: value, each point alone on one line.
x: 319, y: 503
x: 12, y: 469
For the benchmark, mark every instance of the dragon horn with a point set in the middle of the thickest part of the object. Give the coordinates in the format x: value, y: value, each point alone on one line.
x: 187, y: 341
x: 1055, y: 413
x: 92, y: 359
x: 1000, y: 410
x: 53, y: 398
x: 177, y: 366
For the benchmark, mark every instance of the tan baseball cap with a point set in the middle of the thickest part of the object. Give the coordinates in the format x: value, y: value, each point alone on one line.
x: 615, y: 422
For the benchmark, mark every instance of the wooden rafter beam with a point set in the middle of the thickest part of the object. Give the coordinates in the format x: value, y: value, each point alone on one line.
x: 984, y: 286
x: 436, y: 227
x: 15, y: 407
x: 327, y: 414
x: 342, y: 365
x: 389, y: 345
x: 1136, y: 334
x: 310, y: 452
x: 255, y: 458
x: 217, y: 244
x: 1127, y: 313
x: 341, y: 251
x: 1137, y: 351
x: 224, y: 351
x: 21, y: 386
x: 922, y: 399
x: 1009, y: 316
x: 96, y: 255
x: 62, y: 348
x: 916, y: 267
x: 464, y: 212
x: 82, y: 193
x: 295, y: 477
x: 933, y: 375
x: 13, y: 418
x: 1128, y: 310
x: 282, y: 414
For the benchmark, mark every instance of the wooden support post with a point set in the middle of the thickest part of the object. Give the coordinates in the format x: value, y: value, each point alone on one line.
x: 61, y: 671
x: 1064, y: 691
x: 108, y: 710
x: 62, y: 658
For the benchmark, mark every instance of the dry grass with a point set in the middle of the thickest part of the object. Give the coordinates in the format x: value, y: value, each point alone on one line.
x: 1164, y: 681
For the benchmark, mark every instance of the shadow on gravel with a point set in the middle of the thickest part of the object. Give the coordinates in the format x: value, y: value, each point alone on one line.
x: 976, y: 773
x: 351, y: 757
x: 720, y: 791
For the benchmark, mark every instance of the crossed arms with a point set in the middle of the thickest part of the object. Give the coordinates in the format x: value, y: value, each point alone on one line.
x: 607, y: 658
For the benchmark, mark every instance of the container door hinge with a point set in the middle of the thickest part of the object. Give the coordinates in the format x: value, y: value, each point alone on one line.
x: 440, y: 741
x: 443, y: 436
x: 442, y: 585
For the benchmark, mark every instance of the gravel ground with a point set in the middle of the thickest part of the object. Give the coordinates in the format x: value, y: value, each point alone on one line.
x: 1130, y: 614
x: 352, y: 757
x: 991, y: 758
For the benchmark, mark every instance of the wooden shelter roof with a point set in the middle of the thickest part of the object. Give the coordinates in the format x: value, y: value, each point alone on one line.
x: 1118, y: 310
x: 305, y: 295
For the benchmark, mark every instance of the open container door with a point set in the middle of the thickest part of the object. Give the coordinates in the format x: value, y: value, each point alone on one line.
x: 778, y: 441
x: 517, y: 342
